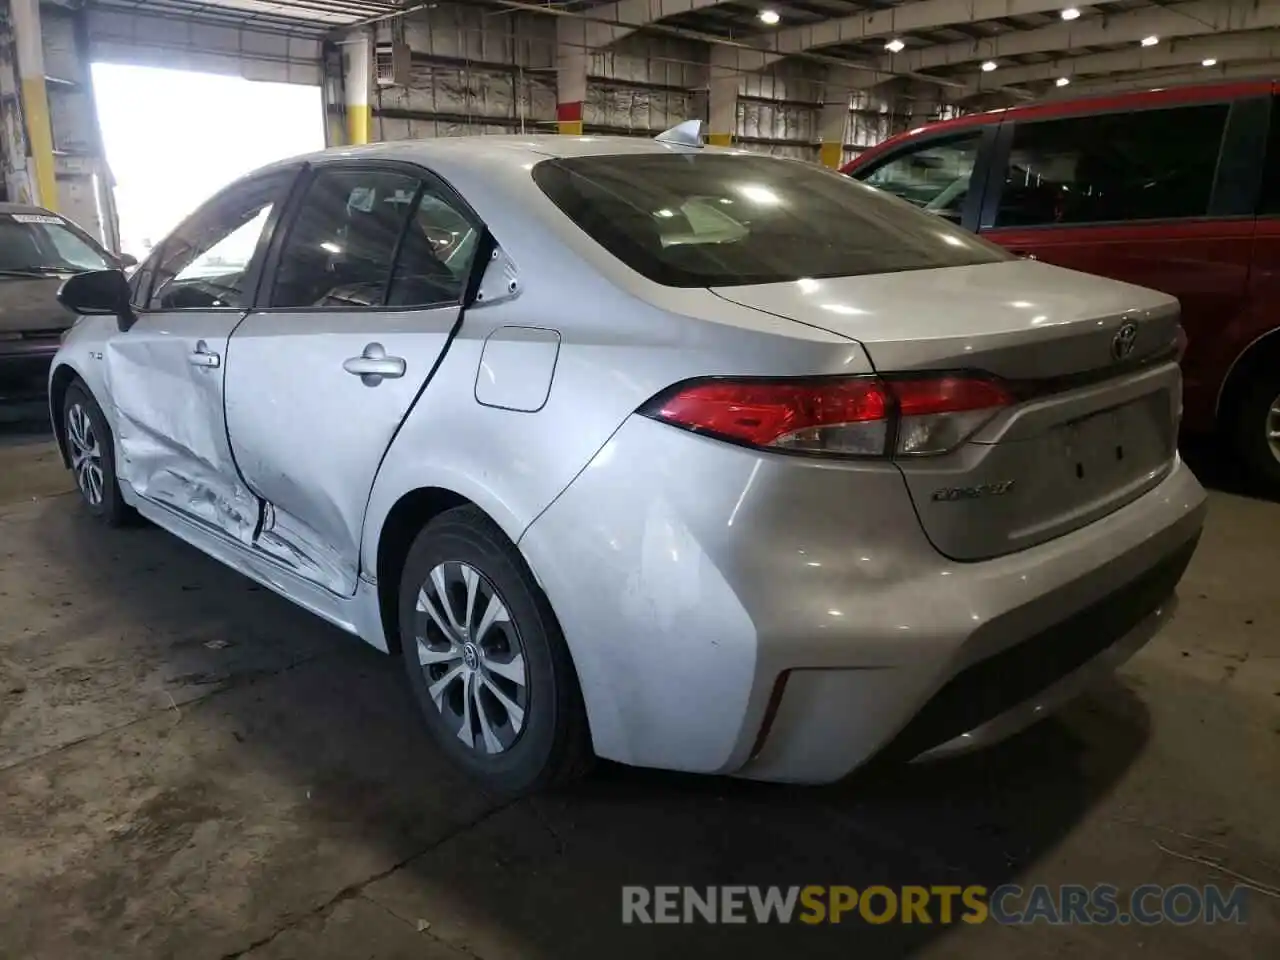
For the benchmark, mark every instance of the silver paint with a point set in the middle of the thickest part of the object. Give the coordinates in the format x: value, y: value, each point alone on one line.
x: 686, y: 573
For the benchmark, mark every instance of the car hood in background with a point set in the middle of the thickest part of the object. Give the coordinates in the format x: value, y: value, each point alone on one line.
x: 28, y: 305
x: 1019, y: 319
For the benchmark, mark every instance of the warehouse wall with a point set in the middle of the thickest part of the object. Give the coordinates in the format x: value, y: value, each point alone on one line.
x: 477, y: 70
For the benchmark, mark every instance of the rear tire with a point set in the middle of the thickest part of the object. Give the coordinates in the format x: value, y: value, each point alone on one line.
x: 1257, y: 431
x: 486, y: 660
x: 91, y: 451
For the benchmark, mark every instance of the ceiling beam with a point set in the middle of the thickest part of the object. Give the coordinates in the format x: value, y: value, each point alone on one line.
x: 920, y: 15
x: 1170, y: 77
x: 1232, y: 48
x: 631, y: 15
x: 1175, y: 20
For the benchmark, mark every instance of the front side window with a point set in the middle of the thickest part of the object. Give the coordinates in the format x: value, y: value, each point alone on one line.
x: 934, y: 176
x: 339, y: 250
x: 1122, y: 167
x: 705, y: 219
x: 42, y: 243
x: 204, y: 263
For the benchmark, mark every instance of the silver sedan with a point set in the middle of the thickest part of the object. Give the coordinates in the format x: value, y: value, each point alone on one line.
x: 677, y: 456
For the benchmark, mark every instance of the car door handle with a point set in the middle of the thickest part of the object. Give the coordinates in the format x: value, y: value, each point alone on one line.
x: 202, y: 356
x: 373, y: 365
x: 1024, y: 254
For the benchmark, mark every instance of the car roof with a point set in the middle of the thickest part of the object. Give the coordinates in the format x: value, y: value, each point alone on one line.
x: 503, y: 150
x: 24, y: 208
x: 1099, y: 103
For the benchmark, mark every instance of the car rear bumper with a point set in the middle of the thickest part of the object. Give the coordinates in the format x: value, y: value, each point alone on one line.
x: 783, y: 618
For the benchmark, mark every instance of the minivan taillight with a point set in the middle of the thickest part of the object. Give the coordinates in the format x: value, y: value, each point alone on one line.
x: 846, y: 416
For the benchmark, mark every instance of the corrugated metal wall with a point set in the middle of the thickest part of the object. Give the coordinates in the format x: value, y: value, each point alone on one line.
x: 478, y: 71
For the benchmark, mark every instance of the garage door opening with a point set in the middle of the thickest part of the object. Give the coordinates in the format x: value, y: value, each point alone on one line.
x: 174, y: 137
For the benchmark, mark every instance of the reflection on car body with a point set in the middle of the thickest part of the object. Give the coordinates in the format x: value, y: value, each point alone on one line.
x: 622, y: 458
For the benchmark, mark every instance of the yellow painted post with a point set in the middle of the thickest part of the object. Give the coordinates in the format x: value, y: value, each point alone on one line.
x: 356, y: 82
x: 35, y: 100
x: 833, y: 122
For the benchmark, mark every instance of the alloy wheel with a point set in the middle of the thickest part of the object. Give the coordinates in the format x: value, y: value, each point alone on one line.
x: 86, y: 454
x: 472, y: 657
x: 1273, y: 428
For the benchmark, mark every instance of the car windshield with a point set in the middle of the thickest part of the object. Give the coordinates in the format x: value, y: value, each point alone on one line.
x: 714, y: 219
x: 39, y: 243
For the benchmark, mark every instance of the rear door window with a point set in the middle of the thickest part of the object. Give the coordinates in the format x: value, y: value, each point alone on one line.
x: 339, y: 251
x: 1113, y: 168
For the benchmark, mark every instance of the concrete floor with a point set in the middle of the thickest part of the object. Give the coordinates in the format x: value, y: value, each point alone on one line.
x: 191, y: 767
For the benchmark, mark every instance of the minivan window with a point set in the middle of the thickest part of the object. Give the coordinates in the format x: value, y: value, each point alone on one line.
x: 1269, y: 202
x: 1119, y: 167
x: 713, y: 219
x: 933, y: 175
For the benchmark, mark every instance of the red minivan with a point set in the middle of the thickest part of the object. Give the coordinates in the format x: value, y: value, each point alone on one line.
x: 1176, y: 189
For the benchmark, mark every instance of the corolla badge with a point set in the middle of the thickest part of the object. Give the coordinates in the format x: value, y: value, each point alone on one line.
x: 974, y: 493
x: 1122, y: 343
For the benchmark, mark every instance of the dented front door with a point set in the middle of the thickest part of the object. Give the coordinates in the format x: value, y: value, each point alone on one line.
x: 167, y: 372
x: 166, y: 378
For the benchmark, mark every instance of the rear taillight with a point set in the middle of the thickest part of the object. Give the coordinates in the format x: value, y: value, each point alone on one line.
x: 848, y: 416
x: 937, y: 414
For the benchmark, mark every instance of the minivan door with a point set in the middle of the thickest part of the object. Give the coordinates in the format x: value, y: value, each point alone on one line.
x: 166, y: 373
x: 364, y: 293
x: 1157, y: 197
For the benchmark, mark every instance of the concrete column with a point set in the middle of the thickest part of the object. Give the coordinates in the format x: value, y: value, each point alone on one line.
x: 356, y: 81
x: 722, y: 95
x: 35, y: 101
x: 571, y: 74
x: 833, y: 124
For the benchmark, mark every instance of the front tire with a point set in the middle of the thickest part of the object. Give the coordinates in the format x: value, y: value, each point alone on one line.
x: 1257, y: 431
x: 91, y: 451
x: 486, y: 660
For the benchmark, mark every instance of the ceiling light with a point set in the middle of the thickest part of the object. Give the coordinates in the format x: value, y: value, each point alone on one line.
x: 1210, y: 62
x: 1071, y: 13
x: 1061, y: 82
x: 989, y: 66
x: 769, y: 16
x: 895, y: 45
x: 1150, y: 41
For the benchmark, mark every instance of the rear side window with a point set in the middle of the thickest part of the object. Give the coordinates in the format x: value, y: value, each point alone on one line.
x: 1269, y: 204
x: 934, y: 176
x: 1122, y: 167
x: 713, y: 219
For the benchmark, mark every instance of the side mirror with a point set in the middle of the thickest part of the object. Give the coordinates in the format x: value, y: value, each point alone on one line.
x: 98, y: 293
x: 127, y: 260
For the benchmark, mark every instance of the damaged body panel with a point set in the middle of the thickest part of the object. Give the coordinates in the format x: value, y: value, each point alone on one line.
x: 309, y: 428
x: 167, y: 381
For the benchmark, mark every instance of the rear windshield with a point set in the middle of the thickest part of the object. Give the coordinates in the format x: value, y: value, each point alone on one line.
x: 42, y: 243
x: 710, y: 220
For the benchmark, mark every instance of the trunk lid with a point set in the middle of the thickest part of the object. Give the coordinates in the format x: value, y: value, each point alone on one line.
x: 1092, y: 364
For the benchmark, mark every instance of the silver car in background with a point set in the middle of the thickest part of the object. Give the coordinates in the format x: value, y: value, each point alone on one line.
x: 682, y: 457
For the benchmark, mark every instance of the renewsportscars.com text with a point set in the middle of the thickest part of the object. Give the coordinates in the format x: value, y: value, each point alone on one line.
x: 1101, y: 904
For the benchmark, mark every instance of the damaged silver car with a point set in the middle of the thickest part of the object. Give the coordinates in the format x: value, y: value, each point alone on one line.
x: 678, y: 456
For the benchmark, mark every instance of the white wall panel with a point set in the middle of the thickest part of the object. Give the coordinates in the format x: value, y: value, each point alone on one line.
x: 119, y: 36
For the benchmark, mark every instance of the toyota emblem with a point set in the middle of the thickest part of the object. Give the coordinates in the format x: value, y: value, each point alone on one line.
x: 1122, y: 343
